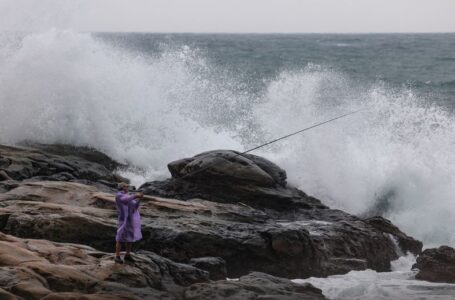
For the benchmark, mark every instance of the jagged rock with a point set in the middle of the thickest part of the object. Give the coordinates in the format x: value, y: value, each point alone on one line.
x: 253, y: 286
x: 30, y: 164
x: 437, y: 265
x: 216, y: 266
x: 405, y: 242
x: 86, y: 153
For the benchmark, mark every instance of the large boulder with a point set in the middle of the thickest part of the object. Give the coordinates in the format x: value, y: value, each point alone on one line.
x: 229, y: 166
x: 437, y: 265
x: 231, y: 177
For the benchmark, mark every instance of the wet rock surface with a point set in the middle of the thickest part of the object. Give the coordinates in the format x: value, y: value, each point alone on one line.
x: 216, y: 266
x: 436, y: 265
x: 314, y: 243
x: 236, y: 217
x: 253, y: 286
x: 405, y: 242
x: 299, y: 229
x: 71, y: 164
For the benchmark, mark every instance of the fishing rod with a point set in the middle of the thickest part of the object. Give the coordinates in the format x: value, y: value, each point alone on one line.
x: 274, y: 141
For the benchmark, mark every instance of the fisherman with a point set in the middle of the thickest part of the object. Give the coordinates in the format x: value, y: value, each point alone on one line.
x: 129, y: 221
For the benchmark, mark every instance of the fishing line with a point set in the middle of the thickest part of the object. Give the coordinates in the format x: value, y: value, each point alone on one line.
x: 274, y: 141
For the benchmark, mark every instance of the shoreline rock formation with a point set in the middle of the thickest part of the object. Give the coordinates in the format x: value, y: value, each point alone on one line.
x: 237, y: 216
x: 304, y: 237
x: 40, y: 269
x: 436, y: 265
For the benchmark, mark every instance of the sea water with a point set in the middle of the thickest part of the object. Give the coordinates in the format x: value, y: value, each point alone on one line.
x: 148, y: 99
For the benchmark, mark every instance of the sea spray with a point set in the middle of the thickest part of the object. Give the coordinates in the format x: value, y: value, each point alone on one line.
x: 371, y: 285
x: 67, y: 87
x: 395, y: 158
x: 398, y: 146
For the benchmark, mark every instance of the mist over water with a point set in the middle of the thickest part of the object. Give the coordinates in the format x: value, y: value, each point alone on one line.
x: 147, y: 108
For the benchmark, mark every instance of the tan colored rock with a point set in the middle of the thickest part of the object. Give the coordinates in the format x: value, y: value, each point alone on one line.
x: 172, y: 204
x: 38, y: 269
x: 23, y: 282
x: 58, y: 222
x: 57, y: 192
x: 65, y: 254
x: 12, y: 254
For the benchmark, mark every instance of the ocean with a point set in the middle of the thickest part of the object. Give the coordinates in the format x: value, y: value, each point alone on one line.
x: 148, y: 99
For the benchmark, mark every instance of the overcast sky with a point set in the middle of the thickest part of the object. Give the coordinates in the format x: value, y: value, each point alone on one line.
x: 230, y: 15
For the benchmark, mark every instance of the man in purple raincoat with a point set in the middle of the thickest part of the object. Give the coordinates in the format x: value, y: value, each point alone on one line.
x: 129, y: 221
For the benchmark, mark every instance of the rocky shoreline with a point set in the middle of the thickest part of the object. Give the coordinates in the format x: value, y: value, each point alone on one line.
x: 236, y: 217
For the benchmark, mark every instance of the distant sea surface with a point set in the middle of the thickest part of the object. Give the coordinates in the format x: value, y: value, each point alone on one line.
x: 424, y: 63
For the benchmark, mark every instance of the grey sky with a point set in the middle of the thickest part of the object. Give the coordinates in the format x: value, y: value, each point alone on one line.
x: 231, y: 15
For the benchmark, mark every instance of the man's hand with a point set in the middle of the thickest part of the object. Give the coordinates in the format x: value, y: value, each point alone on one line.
x: 140, y: 195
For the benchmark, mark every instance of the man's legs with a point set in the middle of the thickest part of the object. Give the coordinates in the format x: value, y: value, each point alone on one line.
x: 118, y: 248
x: 128, y: 248
x: 128, y: 256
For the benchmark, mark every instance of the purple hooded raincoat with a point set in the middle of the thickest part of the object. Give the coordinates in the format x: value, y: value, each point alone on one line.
x: 129, y: 219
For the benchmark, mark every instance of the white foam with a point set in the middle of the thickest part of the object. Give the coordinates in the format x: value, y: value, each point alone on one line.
x: 371, y: 285
x: 314, y: 227
x: 398, y: 146
x: 68, y: 87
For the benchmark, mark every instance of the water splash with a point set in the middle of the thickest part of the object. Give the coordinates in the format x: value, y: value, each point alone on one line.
x: 67, y: 87
x: 399, y: 147
x: 368, y: 284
